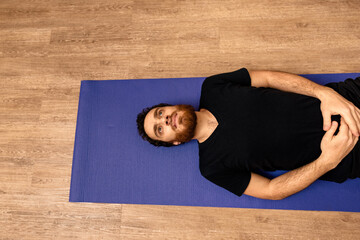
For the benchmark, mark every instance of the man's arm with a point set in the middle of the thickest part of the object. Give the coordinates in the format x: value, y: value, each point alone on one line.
x: 332, y: 103
x: 287, y: 82
x: 298, y: 179
x: 287, y: 184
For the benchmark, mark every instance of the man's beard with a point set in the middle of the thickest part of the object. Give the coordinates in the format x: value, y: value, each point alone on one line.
x: 188, y: 120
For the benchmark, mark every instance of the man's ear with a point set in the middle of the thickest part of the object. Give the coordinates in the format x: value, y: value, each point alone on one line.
x: 176, y: 143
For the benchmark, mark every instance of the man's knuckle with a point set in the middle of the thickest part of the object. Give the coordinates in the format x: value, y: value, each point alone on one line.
x: 344, y: 137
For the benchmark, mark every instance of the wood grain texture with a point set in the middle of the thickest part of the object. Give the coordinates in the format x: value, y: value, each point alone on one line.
x: 48, y: 47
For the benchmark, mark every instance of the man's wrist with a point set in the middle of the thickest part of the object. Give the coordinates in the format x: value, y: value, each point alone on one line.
x: 323, y: 163
x: 321, y: 91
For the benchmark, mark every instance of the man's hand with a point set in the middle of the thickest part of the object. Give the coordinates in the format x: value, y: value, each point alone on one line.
x: 335, y: 148
x: 333, y: 103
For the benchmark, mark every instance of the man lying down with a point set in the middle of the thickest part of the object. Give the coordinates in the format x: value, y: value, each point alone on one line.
x: 263, y: 120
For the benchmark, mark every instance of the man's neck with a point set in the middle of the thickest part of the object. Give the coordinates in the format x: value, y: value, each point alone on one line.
x: 206, y: 124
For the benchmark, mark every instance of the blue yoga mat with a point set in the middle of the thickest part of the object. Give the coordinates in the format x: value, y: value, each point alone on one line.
x: 112, y: 164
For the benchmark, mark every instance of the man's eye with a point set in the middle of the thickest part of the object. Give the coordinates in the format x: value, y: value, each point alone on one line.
x: 160, y: 129
x: 160, y: 113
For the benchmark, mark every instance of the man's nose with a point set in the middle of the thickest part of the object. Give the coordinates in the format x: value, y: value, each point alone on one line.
x: 167, y: 120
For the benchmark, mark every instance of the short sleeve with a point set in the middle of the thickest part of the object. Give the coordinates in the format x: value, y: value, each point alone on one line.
x: 240, y: 77
x: 232, y: 180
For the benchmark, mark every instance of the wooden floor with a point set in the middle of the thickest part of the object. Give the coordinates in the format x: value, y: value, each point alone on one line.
x: 49, y: 46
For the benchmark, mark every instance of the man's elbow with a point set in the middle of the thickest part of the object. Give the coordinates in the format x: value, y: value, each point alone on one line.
x: 276, y: 195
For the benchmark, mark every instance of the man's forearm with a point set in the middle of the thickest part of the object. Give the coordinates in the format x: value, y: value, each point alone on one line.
x: 294, y: 83
x: 298, y: 179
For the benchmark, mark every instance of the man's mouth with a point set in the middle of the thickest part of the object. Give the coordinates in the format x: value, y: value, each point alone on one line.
x: 173, y: 120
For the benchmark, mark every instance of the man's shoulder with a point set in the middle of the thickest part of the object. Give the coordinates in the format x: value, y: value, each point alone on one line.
x: 210, y: 90
x: 208, y: 170
x: 210, y: 81
x: 211, y: 160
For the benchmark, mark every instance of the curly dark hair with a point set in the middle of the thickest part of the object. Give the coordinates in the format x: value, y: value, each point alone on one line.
x: 140, y: 126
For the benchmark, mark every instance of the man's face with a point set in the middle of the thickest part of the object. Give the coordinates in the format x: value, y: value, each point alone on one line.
x: 174, y: 124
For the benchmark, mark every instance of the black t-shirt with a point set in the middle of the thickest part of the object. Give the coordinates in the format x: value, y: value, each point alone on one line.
x: 260, y: 129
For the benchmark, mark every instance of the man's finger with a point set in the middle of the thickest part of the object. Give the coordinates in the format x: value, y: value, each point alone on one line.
x: 332, y: 129
x: 343, y: 124
x: 357, y: 116
x: 327, y: 120
x: 344, y: 128
x: 350, y: 119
